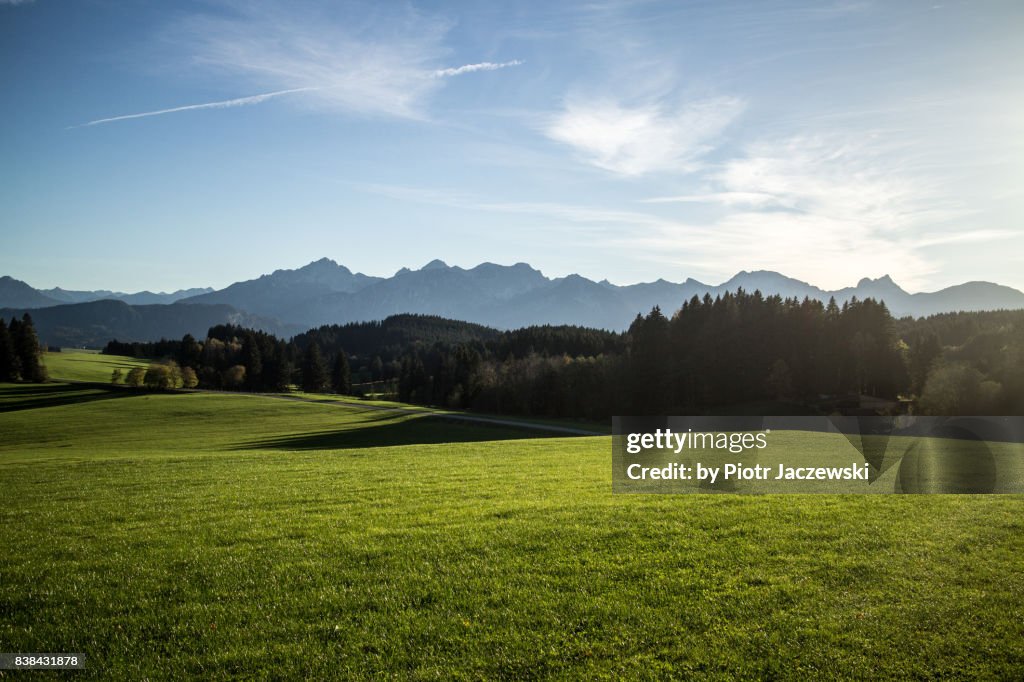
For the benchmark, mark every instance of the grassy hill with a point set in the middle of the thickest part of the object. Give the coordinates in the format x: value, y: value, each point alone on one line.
x: 215, y: 536
x: 80, y: 365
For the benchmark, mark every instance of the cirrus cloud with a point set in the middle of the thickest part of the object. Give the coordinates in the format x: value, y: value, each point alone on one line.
x: 382, y: 68
x: 641, y: 139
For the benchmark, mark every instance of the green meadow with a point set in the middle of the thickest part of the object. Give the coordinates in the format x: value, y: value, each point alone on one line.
x: 79, y: 365
x: 212, y: 536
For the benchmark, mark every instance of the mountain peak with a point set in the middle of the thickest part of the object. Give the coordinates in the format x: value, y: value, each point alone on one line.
x: 884, y: 281
x: 756, y: 276
x: 323, y: 263
x: 436, y: 264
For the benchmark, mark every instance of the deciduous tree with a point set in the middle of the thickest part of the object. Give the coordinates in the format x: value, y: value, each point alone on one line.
x: 135, y: 378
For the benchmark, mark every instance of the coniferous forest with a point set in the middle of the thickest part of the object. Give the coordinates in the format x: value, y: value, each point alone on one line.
x: 20, y: 352
x: 737, y: 353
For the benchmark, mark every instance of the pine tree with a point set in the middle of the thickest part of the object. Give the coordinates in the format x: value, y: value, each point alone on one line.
x: 252, y: 358
x: 14, y: 331
x: 191, y: 352
x: 314, y: 373
x: 924, y: 352
x: 279, y: 370
x: 26, y: 345
x: 341, y: 377
x: 6, y: 354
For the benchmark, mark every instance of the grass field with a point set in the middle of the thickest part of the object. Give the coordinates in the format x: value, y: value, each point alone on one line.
x: 91, y: 366
x: 215, y: 536
x: 79, y: 365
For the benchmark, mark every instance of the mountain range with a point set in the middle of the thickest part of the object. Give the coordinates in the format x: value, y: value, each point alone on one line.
x: 16, y: 294
x: 501, y: 296
x: 511, y: 296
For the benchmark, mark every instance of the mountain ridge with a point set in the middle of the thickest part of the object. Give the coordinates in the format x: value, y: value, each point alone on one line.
x: 518, y: 295
x: 15, y: 293
x: 509, y: 296
x: 138, y: 298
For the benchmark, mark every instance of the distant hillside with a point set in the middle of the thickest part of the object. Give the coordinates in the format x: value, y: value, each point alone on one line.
x: 16, y: 294
x: 94, y: 323
x: 395, y: 337
x: 396, y: 332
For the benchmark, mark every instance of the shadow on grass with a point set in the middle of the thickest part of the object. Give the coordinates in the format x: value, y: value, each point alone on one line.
x: 412, y: 431
x: 15, y: 397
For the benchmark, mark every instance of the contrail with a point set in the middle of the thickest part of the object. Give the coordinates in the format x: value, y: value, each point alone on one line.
x: 470, y: 68
x: 256, y: 99
x: 223, y: 104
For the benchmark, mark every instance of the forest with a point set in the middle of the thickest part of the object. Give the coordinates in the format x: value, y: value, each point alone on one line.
x: 736, y: 353
x: 20, y: 352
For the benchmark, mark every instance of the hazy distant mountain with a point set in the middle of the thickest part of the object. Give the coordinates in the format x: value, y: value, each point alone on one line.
x: 567, y: 300
x: 518, y: 295
x: 93, y: 323
x: 474, y: 295
x: 281, y: 292
x: 510, y: 296
x: 970, y: 296
x: 16, y: 294
x: 139, y: 298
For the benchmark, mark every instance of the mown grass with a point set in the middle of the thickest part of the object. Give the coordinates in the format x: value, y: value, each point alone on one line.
x: 594, y: 428
x: 176, y: 536
x: 79, y: 365
x: 91, y: 366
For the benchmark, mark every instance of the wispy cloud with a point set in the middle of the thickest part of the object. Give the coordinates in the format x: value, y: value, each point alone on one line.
x: 829, y: 209
x: 369, y: 69
x: 826, y: 209
x: 855, y: 178
x: 383, y: 68
x: 828, y: 252
x: 636, y: 140
x: 223, y: 104
x: 724, y: 198
x: 573, y: 213
x: 257, y: 99
x: 470, y: 68
x: 385, y: 65
x: 977, y: 236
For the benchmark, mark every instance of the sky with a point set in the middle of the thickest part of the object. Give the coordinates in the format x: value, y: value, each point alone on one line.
x: 156, y: 145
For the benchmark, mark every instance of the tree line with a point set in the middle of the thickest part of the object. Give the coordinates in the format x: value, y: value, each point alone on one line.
x: 234, y: 358
x: 20, y: 352
x: 735, y: 352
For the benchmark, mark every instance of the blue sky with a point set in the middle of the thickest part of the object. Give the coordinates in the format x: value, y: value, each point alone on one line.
x: 153, y: 145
